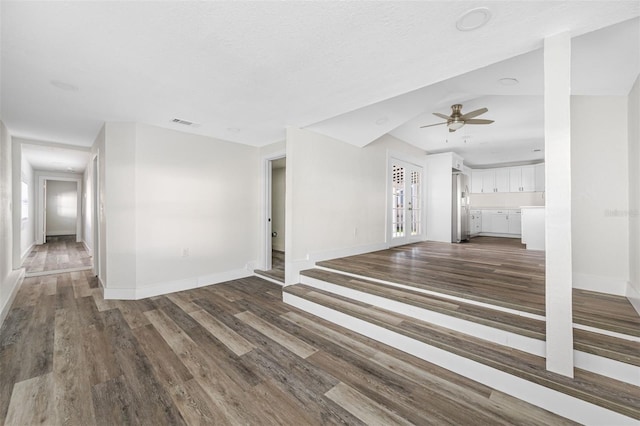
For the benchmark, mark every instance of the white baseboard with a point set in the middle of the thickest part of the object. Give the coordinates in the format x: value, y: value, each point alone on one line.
x: 158, y: 289
x: 25, y: 253
x: 14, y: 280
x: 533, y: 393
x: 634, y: 297
x: 606, y: 285
x: 87, y: 248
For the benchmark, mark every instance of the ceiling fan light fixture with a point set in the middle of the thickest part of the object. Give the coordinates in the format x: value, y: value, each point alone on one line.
x: 455, y: 125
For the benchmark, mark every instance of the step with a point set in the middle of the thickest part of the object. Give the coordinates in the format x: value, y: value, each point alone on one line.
x: 602, y: 354
x: 587, y: 398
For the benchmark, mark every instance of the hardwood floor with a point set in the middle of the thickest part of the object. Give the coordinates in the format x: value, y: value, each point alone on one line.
x: 496, y: 271
x: 231, y: 353
x: 277, y: 267
x: 57, y: 254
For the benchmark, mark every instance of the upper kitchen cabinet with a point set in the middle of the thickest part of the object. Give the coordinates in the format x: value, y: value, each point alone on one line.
x: 490, y: 180
x: 508, y: 179
x: 522, y: 179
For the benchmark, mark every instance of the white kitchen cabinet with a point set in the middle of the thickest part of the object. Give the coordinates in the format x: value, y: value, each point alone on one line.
x: 490, y: 181
x: 501, y: 180
x: 515, y: 222
x: 500, y: 222
x: 522, y: 179
x: 495, y: 222
x: 505, y: 222
x: 457, y: 162
x: 539, y: 177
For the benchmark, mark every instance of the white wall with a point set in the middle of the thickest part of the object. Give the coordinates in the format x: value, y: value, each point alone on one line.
x: 181, y: 210
x: 338, y: 196
x: 120, y: 205
x: 600, y: 193
x: 278, y: 207
x: 87, y: 207
x: 633, y: 292
x: 98, y: 150
x: 27, y: 226
x: 62, y: 209
x: 9, y: 279
x: 507, y: 199
x: 439, y: 196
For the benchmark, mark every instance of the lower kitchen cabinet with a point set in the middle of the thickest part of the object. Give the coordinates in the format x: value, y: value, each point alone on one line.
x: 503, y: 222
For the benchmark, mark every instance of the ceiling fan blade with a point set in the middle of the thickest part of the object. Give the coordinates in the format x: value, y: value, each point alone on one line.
x: 431, y: 125
x: 474, y: 113
x: 478, y: 121
x: 444, y: 117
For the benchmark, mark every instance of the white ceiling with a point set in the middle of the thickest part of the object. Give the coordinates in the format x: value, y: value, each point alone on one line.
x: 55, y: 158
x: 245, y: 70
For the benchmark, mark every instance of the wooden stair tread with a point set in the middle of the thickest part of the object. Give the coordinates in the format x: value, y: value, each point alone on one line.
x: 606, y: 311
x: 622, y: 350
x: 608, y: 393
x: 443, y: 278
x: 625, y: 351
x: 490, y: 317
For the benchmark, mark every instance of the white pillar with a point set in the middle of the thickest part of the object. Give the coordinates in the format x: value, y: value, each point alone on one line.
x: 557, y: 133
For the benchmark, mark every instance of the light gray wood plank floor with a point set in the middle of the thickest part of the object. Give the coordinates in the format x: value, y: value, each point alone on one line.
x: 231, y: 353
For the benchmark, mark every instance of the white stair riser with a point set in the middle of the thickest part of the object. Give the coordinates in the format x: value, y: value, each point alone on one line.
x: 501, y: 337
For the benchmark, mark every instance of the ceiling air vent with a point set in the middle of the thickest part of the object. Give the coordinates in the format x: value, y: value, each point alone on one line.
x: 180, y: 121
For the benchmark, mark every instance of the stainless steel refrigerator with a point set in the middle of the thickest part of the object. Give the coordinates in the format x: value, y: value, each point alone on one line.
x: 459, y: 208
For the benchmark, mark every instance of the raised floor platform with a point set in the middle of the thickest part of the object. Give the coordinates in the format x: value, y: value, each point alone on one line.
x: 478, y: 310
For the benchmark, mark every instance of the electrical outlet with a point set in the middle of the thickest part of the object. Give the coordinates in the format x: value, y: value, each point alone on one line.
x: 185, y: 252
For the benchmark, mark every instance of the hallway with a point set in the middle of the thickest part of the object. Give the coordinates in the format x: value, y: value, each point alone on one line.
x: 59, y: 254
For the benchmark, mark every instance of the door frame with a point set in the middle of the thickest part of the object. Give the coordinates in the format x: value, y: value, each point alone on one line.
x: 414, y: 162
x: 41, y: 177
x: 264, y: 261
x: 95, y: 214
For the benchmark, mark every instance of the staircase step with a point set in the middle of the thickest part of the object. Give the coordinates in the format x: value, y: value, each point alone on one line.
x: 595, y: 389
x: 506, y: 321
x: 621, y: 350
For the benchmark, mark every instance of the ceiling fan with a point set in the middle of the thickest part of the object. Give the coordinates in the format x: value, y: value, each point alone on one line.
x: 456, y: 120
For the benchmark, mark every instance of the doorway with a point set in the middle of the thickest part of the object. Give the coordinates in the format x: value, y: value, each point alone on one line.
x: 406, y: 209
x: 58, y: 227
x: 275, y: 196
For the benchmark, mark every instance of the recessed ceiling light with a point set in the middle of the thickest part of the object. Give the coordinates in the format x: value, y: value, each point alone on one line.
x: 64, y: 86
x: 380, y: 121
x: 508, y: 81
x: 473, y: 19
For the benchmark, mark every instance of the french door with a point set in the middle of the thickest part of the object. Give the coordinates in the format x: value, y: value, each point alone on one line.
x: 406, y: 220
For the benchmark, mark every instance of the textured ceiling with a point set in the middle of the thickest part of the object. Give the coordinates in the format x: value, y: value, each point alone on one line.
x: 245, y: 70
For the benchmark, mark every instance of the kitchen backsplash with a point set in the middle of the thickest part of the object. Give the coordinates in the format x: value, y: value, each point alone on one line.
x: 507, y: 199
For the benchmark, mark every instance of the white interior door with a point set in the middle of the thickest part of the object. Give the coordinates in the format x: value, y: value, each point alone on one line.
x: 406, y: 202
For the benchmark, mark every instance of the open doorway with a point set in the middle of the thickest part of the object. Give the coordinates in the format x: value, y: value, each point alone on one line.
x: 275, y: 194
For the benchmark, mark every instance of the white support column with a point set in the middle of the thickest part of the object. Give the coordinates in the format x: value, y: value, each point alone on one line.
x: 557, y: 132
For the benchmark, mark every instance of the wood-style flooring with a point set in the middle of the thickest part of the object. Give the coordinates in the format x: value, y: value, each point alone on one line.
x: 59, y: 253
x: 277, y: 267
x: 231, y: 353
x: 496, y: 271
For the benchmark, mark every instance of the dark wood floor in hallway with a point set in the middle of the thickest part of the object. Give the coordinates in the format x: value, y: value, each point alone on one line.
x: 57, y: 254
x: 231, y: 353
